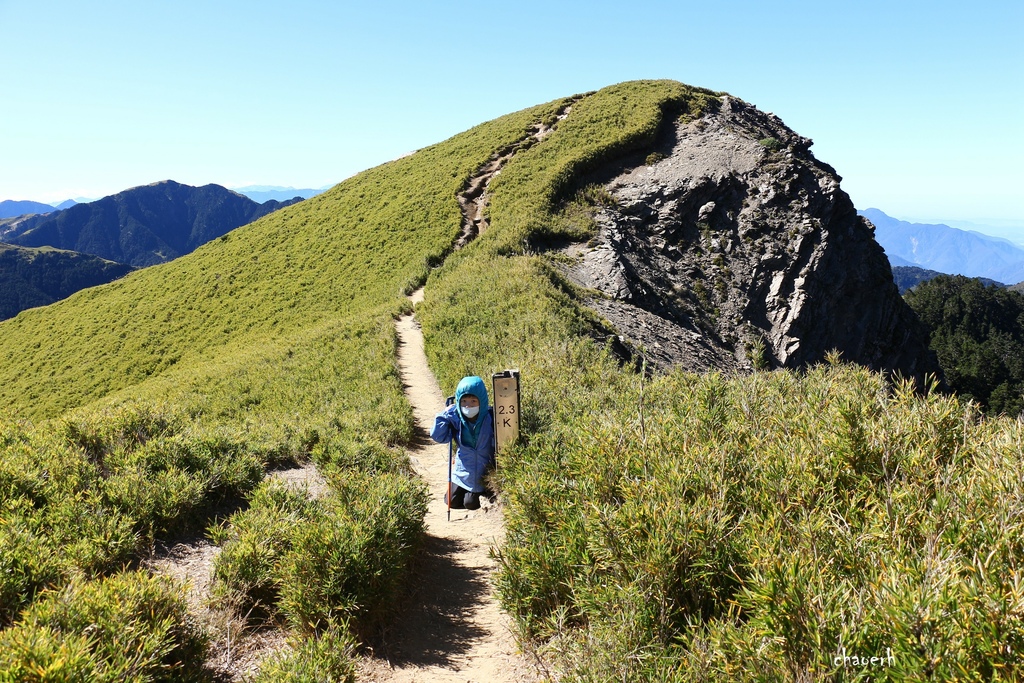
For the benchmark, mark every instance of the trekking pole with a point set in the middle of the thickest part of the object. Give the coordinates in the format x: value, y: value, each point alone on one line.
x: 451, y: 459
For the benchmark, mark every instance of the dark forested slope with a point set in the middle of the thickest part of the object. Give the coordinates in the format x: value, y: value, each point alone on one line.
x: 977, y: 331
x: 36, y: 277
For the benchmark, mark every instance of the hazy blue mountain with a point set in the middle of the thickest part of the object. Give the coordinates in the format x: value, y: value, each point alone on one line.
x: 908, y: 277
x: 1012, y: 230
x: 265, y: 193
x: 142, y: 226
x: 10, y: 208
x: 947, y: 250
x: 36, y: 277
x: 897, y: 262
x: 66, y: 204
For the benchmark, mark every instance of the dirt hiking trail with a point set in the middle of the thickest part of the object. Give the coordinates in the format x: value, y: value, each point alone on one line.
x: 473, y: 200
x: 453, y: 629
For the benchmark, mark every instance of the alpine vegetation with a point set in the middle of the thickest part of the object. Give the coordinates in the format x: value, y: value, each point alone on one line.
x: 704, y: 527
x: 669, y: 525
x: 145, y: 410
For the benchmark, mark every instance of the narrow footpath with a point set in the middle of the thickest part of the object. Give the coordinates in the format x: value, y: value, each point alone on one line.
x: 454, y: 629
x: 473, y: 200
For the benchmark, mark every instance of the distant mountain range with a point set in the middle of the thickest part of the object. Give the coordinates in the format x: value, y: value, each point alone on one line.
x: 946, y: 249
x: 142, y: 226
x: 1009, y: 229
x: 10, y: 208
x: 155, y: 223
x: 260, y: 194
x: 266, y: 193
x: 37, y: 277
x: 52, y: 253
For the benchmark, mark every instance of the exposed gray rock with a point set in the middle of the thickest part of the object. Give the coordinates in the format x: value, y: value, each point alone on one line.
x: 740, y: 240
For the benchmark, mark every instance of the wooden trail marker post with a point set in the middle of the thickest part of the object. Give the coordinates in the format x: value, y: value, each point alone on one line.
x: 505, y: 389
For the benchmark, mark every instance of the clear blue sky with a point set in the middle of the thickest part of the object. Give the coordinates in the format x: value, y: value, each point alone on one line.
x: 918, y: 105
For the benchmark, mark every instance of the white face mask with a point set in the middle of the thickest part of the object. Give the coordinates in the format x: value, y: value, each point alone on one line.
x: 470, y: 411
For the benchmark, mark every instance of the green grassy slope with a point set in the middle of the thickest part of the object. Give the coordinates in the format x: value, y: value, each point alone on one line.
x: 692, y: 528
x: 160, y: 397
x: 333, y: 257
x: 671, y: 528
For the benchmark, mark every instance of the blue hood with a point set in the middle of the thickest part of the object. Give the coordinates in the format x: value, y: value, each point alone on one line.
x: 473, y: 386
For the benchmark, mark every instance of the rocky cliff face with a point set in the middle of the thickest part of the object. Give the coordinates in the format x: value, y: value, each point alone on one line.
x: 730, y: 246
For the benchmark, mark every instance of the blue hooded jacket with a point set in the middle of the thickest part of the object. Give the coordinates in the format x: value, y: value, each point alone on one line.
x: 475, y: 438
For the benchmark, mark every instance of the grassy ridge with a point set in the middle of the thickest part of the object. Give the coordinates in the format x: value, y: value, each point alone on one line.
x: 679, y: 528
x: 617, y: 120
x: 495, y: 304
x: 331, y: 257
x: 161, y: 396
x: 687, y: 527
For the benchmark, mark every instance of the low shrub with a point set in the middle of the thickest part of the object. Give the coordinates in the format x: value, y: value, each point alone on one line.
x: 340, y: 557
x: 326, y: 657
x: 93, y: 494
x: 344, y: 455
x: 767, y: 524
x: 28, y: 563
x: 127, y: 627
x: 349, y: 561
x: 247, y: 572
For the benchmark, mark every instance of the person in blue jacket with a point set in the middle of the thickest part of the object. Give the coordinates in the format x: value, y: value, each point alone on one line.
x: 470, y: 421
